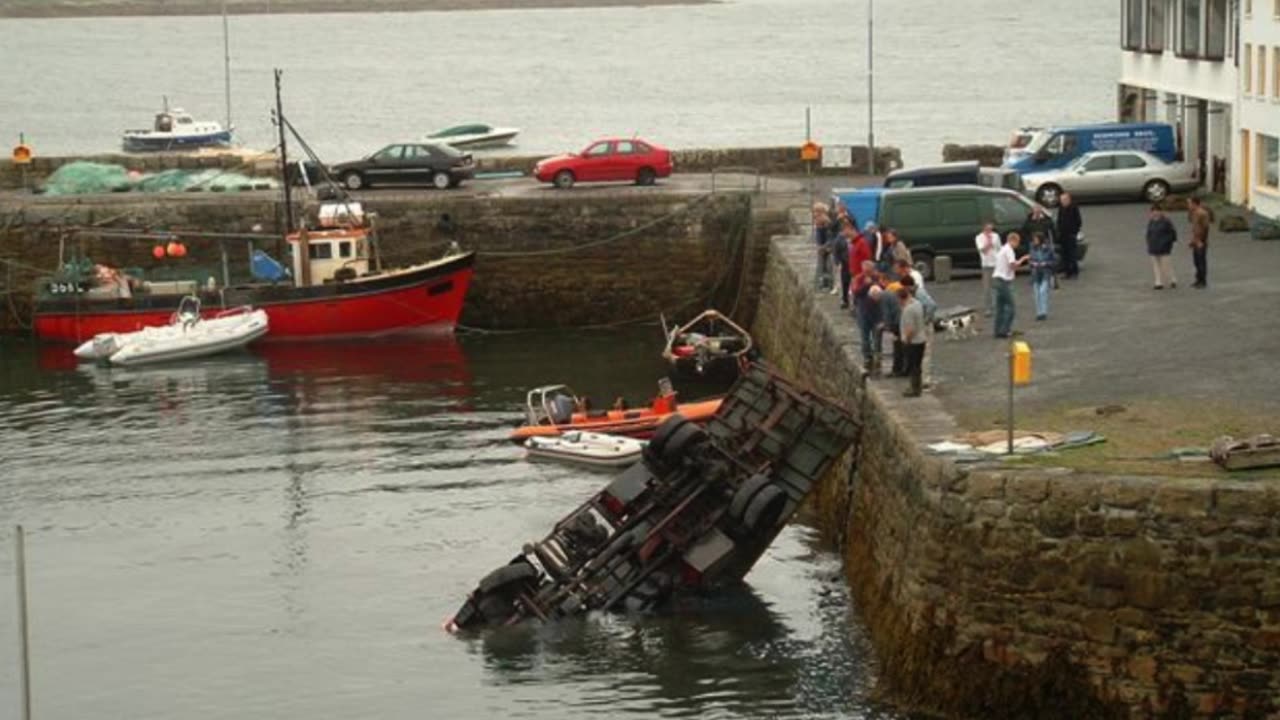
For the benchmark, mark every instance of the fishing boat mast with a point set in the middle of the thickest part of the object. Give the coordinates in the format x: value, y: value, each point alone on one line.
x: 284, y: 160
x: 226, y: 62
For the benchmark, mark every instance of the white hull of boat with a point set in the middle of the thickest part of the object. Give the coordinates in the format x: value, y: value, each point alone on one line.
x: 587, y: 448
x: 176, y: 341
x: 499, y: 137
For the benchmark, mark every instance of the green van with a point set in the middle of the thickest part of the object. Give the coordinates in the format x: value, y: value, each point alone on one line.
x: 935, y: 221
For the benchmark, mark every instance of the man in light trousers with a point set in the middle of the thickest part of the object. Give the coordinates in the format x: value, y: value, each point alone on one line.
x: 988, y: 243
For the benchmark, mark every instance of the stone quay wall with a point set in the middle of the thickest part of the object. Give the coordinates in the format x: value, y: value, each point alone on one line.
x: 995, y: 592
x: 567, y: 260
x: 986, y: 155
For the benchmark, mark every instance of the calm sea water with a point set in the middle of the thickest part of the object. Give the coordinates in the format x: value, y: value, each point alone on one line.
x: 280, y: 535
x: 736, y: 73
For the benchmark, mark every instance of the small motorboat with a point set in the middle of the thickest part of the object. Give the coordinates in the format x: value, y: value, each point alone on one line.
x: 176, y: 130
x: 475, y: 136
x: 187, y: 336
x: 555, y: 409
x: 708, y: 344
x: 588, y: 448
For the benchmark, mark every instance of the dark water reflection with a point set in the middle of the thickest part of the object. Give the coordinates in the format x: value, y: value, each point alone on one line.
x: 279, y: 534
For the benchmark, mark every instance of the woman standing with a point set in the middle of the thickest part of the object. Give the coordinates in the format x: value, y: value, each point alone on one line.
x: 1043, y: 264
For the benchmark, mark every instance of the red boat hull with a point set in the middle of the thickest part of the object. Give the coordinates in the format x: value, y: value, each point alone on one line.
x: 422, y: 301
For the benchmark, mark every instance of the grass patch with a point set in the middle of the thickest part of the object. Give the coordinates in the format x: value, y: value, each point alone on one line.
x: 1141, y: 437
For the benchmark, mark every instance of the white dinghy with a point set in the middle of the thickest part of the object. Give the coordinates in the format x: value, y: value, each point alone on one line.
x: 587, y: 448
x: 187, y: 336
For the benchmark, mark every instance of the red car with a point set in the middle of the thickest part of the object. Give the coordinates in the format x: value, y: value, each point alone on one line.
x: 605, y: 160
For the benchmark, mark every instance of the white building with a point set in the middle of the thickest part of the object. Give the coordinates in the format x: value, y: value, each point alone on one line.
x: 1178, y: 66
x: 1258, y: 111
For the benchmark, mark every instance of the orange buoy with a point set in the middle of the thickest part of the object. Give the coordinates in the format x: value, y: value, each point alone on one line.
x: 180, y: 250
x: 157, y: 252
x: 172, y: 248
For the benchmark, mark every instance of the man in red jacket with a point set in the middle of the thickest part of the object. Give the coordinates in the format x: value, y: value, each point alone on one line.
x: 859, y: 252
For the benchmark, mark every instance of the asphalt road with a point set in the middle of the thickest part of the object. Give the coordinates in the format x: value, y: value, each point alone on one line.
x: 1111, y: 338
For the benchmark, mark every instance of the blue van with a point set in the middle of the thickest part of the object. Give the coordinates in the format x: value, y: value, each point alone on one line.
x: 1056, y: 147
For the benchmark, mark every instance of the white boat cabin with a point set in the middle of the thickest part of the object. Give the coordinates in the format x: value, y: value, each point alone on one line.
x: 335, y: 255
x: 178, y: 122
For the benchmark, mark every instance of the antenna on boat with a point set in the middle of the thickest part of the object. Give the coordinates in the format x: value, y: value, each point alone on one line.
x: 226, y: 60
x: 284, y: 159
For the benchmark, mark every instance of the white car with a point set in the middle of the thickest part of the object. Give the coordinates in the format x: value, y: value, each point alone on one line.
x: 1113, y: 174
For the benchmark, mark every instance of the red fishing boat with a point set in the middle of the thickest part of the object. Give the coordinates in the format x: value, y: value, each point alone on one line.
x: 336, y: 287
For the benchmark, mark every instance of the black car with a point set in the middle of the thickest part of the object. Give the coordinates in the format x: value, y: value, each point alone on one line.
x: 408, y: 164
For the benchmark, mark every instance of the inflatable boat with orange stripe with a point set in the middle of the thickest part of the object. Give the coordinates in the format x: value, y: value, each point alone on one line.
x: 555, y: 409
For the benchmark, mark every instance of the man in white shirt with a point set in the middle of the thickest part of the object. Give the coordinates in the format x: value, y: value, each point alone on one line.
x: 988, y: 243
x: 1007, y: 263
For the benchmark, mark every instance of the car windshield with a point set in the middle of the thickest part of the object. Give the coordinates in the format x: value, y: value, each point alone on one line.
x: 1038, y: 141
x: 449, y: 150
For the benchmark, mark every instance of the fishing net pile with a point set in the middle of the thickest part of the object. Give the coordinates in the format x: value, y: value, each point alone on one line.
x: 82, y: 178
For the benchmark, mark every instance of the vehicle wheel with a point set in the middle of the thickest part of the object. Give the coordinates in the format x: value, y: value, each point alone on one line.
x: 507, y: 575
x: 441, y: 181
x: 681, y: 441
x: 353, y: 180
x: 495, y: 608
x: 745, y: 493
x: 924, y: 265
x: 765, y: 508
x: 666, y: 430
x: 1156, y: 190
x: 564, y: 179
x: 646, y: 176
x: 1048, y: 194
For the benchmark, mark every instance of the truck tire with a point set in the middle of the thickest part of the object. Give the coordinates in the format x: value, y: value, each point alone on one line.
x: 743, y: 495
x: 507, y: 575
x: 765, y: 509
x: 685, y: 438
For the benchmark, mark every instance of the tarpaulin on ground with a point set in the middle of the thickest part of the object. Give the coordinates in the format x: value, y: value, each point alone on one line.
x: 82, y: 178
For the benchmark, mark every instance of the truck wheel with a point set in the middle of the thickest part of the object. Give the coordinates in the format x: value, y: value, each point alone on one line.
x: 681, y: 441
x: 507, y: 575
x: 924, y: 265
x: 665, y: 431
x: 745, y: 493
x: 765, y: 509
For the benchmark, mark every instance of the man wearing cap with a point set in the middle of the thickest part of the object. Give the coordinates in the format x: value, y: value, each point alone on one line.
x: 911, y: 328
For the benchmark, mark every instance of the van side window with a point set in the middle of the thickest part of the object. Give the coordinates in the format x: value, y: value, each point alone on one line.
x: 911, y: 213
x: 960, y: 211
x: 1008, y: 211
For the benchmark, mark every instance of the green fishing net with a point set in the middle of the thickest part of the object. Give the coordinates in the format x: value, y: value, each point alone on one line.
x: 81, y: 178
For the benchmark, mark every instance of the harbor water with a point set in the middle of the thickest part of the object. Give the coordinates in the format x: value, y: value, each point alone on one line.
x: 736, y: 73
x: 279, y: 534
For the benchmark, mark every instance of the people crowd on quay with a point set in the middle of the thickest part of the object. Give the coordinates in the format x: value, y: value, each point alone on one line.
x: 872, y: 272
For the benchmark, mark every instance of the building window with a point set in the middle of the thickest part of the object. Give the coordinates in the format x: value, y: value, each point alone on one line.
x: 1275, y: 74
x: 1191, y: 19
x: 1215, y: 38
x: 1155, y: 25
x: 1131, y: 36
x: 1269, y: 162
x: 1262, y: 71
x: 1247, y: 75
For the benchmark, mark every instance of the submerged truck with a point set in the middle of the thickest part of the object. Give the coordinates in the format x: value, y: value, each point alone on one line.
x: 696, y: 512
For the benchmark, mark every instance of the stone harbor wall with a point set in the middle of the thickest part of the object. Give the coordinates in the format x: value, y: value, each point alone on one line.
x: 986, y: 155
x: 994, y: 592
x: 568, y: 260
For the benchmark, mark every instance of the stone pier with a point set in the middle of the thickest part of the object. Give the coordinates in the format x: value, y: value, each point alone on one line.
x: 1013, y: 591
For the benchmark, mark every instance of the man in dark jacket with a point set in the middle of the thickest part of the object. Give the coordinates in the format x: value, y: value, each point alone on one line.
x: 1161, y: 235
x: 1069, y: 225
x: 1038, y: 222
x: 1200, y: 221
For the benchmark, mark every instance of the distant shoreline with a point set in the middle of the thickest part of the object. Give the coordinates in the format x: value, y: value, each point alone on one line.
x: 135, y: 8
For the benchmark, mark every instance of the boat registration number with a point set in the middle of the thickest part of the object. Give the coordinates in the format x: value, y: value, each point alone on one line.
x: 66, y: 288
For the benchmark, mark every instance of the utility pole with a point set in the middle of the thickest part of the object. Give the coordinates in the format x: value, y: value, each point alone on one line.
x: 24, y: 634
x: 871, y: 113
x: 226, y: 60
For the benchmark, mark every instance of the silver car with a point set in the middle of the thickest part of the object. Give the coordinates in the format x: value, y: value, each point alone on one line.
x: 1113, y: 174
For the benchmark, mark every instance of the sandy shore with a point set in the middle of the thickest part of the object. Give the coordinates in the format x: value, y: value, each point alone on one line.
x: 101, y: 8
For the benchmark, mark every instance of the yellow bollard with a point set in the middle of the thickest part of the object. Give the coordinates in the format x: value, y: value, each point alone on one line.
x: 1019, y: 374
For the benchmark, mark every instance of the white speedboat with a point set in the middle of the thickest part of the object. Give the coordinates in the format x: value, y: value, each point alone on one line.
x: 187, y: 336
x: 587, y: 448
x: 176, y: 130
x: 475, y: 136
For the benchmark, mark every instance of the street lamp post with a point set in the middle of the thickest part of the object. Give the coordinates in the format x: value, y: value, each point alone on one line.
x: 871, y: 113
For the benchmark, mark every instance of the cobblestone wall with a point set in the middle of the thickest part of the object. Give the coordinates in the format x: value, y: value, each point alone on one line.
x: 999, y: 593
x: 566, y: 261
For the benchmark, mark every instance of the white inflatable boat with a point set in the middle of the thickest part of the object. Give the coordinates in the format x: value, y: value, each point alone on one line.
x: 186, y: 336
x: 587, y: 448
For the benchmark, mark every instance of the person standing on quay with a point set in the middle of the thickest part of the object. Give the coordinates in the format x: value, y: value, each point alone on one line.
x: 1198, y: 214
x: 840, y: 248
x: 1069, y: 225
x: 1161, y: 235
x: 912, y: 331
x: 1043, y: 265
x: 866, y: 310
x: 822, y: 240
x: 859, y: 254
x: 930, y: 308
x: 988, y: 243
x: 1007, y: 263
